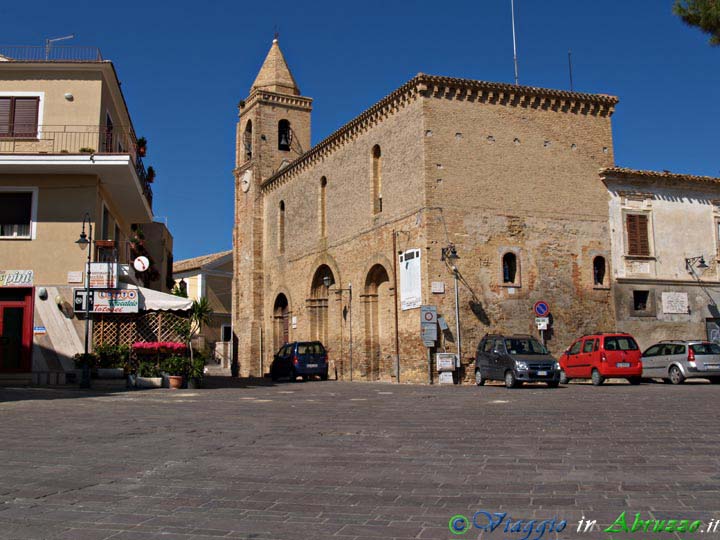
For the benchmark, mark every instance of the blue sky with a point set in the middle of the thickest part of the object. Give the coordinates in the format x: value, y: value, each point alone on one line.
x: 185, y: 65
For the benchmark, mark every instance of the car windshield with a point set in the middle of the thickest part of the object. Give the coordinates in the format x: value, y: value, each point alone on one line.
x: 524, y: 346
x: 620, y: 343
x: 705, y: 348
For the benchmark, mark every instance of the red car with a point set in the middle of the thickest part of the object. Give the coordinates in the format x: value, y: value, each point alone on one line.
x: 601, y: 356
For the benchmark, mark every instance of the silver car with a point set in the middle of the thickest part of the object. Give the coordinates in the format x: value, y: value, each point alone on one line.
x: 677, y: 360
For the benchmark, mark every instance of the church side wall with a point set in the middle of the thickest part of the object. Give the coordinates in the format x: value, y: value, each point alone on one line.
x: 357, y: 252
x: 524, y: 181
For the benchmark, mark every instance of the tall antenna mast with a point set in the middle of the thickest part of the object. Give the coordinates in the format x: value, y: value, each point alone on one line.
x: 512, y: 8
x: 570, y: 68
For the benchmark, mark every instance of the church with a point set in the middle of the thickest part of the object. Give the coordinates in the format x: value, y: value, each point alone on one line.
x: 446, y: 182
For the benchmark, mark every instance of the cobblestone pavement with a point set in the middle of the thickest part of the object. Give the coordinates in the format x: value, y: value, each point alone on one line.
x: 352, y: 460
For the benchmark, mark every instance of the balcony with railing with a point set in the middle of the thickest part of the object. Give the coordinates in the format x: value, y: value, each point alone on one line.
x: 49, y: 53
x: 65, y: 140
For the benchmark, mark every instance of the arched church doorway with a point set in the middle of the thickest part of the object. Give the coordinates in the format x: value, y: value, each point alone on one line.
x: 281, y: 322
x: 377, y: 320
x: 318, y: 303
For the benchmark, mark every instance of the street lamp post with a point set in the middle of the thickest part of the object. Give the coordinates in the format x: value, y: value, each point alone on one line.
x: 327, y: 281
x: 85, y: 242
x: 449, y: 254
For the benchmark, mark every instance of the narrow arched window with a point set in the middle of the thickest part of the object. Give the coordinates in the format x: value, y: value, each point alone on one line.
x: 599, y: 270
x: 509, y: 264
x: 377, y: 179
x: 281, y: 228
x: 247, y: 140
x: 323, y: 207
x: 284, y: 135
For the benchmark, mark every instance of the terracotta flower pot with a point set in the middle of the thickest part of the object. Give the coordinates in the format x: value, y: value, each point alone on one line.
x: 175, y: 381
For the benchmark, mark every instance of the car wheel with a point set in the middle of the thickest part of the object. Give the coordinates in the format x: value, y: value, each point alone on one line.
x: 634, y: 380
x: 563, y: 377
x: 676, y: 376
x: 273, y: 375
x: 596, y: 378
x: 479, y: 379
x: 510, y: 380
x: 553, y: 384
x: 324, y: 376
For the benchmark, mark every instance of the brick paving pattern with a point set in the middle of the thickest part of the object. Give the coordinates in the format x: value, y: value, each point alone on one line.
x: 351, y: 461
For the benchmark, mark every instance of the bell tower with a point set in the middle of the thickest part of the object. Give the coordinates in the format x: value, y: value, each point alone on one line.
x: 272, y: 131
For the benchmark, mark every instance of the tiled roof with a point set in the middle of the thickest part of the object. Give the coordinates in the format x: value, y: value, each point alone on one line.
x: 635, y: 174
x: 198, y: 262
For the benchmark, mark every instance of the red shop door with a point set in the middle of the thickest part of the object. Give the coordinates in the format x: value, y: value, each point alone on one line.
x: 15, y: 330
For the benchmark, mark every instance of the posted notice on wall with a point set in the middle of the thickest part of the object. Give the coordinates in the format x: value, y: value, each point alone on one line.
x: 103, y: 275
x: 410, y: 280
x: 675, y: 302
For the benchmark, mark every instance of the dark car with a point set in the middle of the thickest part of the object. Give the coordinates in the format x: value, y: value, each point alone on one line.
x: 300, y: 358
x: 515, y: 359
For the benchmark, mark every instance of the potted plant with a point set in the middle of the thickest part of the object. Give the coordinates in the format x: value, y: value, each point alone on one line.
x: 150, y: 174
x: 113, y: 361
x: 87, y: 150
x: 148, y: 374
x: 142, y: 146
x: 176, y: 367
x: 196, y: 372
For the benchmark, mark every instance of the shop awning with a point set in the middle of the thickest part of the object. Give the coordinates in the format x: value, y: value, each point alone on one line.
x: 151, y: 300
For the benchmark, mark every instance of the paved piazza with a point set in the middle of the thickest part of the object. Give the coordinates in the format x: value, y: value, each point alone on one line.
x: 341, y: 460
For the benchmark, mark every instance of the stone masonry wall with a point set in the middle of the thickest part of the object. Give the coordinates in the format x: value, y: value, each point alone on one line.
x: 506, y: 178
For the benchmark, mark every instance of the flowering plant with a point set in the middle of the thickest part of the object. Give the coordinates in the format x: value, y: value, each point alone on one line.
x: 153, y: 347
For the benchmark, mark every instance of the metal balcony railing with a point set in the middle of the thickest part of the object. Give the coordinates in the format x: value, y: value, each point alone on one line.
x: 63, y: 139
x: 49, y: 53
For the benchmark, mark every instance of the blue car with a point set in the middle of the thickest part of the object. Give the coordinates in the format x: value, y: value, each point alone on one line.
x: 300, y: 358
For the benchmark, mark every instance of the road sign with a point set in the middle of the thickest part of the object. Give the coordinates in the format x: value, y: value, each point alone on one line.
x: 428, y: 332
x: 428, y: 314
x: 542, y: 309
x: 542, y: 322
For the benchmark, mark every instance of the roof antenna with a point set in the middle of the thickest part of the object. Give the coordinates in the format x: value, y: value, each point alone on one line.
x: 570, y: 68
x: 276, y: 34
x: 512, y: 8
x: 49, y: 42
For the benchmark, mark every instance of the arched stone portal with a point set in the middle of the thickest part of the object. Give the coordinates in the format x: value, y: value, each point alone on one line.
x: 281, y: 322
x: 377, y: 321
x: 318, y: 303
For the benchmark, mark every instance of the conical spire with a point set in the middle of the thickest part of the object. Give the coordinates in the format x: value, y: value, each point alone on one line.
x: 275, y: 75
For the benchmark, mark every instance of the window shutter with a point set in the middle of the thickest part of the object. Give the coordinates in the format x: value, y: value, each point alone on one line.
x: 5, y: 104
x: 637, y: 234
x: 26, y: 117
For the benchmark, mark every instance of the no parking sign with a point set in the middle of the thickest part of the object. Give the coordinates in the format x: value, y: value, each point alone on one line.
x: 542, y: 309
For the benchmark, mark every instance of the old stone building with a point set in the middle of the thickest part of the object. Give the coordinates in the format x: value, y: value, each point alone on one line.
x: 327, y: 237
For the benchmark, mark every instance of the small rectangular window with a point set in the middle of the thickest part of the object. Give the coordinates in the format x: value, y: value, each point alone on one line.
x: 640, y: 300
x: 226, y: 333
x: 15, y: 214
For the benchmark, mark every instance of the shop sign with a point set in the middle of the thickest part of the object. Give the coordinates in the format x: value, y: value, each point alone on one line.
x: 116, y: 301
x: 103, y: 275
x: 108, y: 301
x: 16, y: 278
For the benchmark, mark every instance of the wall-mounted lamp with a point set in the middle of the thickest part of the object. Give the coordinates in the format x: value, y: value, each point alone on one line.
x: 69, y: 96
x: 692, y: 263
x: 42, y: 293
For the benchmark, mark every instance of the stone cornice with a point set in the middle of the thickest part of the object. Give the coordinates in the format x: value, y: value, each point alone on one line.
x: 431, y: 86
x: 623, y: 173
x: 286, y: 100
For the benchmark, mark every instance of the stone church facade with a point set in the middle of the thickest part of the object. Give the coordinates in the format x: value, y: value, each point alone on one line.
x: 506, y: 175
